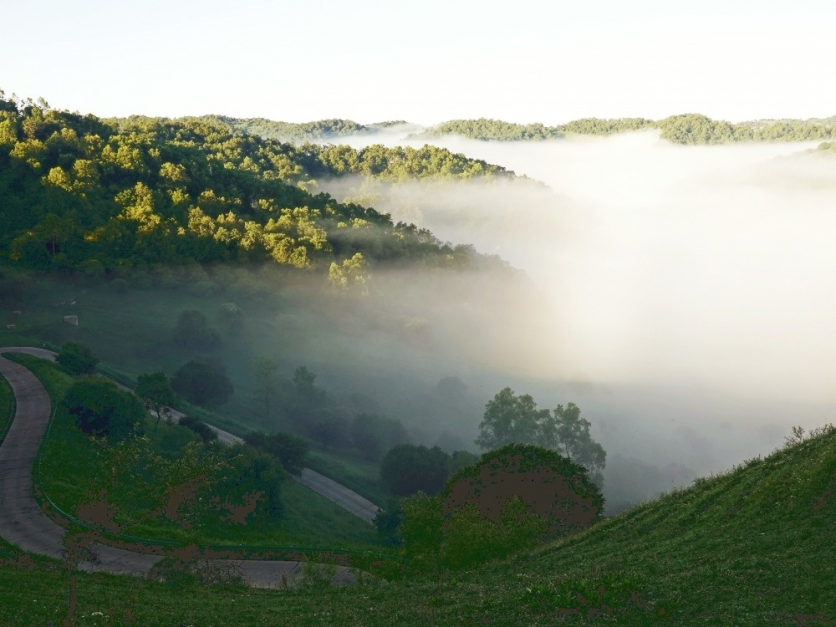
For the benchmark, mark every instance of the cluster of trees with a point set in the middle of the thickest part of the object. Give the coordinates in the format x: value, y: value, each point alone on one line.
x: 686, y: 129
x: 82, y: 195
x: 512, y: 499
x: 516, y: 419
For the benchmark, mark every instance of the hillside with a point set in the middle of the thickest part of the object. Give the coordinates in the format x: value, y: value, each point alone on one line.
x: 82, y: 195
x: 749, y: 547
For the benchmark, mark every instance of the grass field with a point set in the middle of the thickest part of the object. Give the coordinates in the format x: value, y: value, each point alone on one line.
x: 70, y: 464
x: 750, y: 547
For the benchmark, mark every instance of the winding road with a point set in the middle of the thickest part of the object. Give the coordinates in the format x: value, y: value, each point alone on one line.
x: 23, y: 522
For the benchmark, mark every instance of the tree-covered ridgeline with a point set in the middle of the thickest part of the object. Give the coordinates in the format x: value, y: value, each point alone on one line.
x: 78, y: 193
x: 688, y: 129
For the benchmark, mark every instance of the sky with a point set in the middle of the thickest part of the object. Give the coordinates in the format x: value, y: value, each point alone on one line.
x: 370, y: 60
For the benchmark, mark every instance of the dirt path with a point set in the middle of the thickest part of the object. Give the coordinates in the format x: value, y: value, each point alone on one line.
x: 23, y: 522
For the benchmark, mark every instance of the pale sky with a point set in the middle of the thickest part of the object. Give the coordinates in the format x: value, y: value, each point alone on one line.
x: 373, y: 60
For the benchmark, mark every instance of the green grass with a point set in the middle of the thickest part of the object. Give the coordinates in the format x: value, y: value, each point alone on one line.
x: 750, y: 547
x: 69, y: 465
x: 7, y: 407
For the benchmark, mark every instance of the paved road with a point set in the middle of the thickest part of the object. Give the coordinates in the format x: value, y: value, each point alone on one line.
x: 23, y: 523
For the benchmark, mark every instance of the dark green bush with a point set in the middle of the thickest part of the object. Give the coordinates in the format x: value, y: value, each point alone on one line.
x: 77, y: 358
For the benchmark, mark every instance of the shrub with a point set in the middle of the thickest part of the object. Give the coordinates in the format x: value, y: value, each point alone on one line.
x: 388, y: 521
x: 470, y: 539
x: 100, y: 408
x: 77, y: 358
x: 202, y: 384
x: 407, y: 469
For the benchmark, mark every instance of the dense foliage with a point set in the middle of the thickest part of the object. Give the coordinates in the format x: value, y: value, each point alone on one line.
x: 514, y: 498
x: 79, y: 194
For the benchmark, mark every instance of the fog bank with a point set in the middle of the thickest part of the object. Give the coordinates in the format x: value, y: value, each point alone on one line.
x: 690, y: 291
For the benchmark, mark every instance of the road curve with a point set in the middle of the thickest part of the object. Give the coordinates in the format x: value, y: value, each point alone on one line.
x: 23, y: 522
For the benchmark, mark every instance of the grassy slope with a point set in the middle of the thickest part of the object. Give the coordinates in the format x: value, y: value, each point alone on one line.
x: 69, y: 464
x: 6, y: 407
x: 751, y: 547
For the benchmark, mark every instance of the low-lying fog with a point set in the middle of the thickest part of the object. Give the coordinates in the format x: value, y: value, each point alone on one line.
x: 691, y: 289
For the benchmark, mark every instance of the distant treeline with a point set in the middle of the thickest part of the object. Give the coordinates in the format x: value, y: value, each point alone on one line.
x: 688, y: 128
x: 679, y: 129
x: 80, y: 194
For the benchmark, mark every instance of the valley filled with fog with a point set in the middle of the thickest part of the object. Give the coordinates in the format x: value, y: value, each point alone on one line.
x: 684, y: 293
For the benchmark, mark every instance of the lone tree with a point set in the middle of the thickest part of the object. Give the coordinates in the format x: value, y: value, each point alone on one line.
x: 155, y: 391
x: 516, y: 419
x: 100, y: 408
x: 77, y: 358
x: 202, y: 384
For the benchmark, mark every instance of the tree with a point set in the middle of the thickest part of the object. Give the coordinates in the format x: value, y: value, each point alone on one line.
x: 193, y: 331
x: 266, y: 378
x: 202, y: 384
x: 230, y: 318
x: 101, y: 409
x: 328, y: 429
x: 568, y: 433
x: 291, y: 450
x: 372, y: 434
x: 77, y: 358
x: 155, y: 391
x: 510, y: 418
x: 407, y: 469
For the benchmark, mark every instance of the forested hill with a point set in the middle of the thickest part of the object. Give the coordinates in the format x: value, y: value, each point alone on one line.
x: 678, y: 129
x: 79, y: 194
